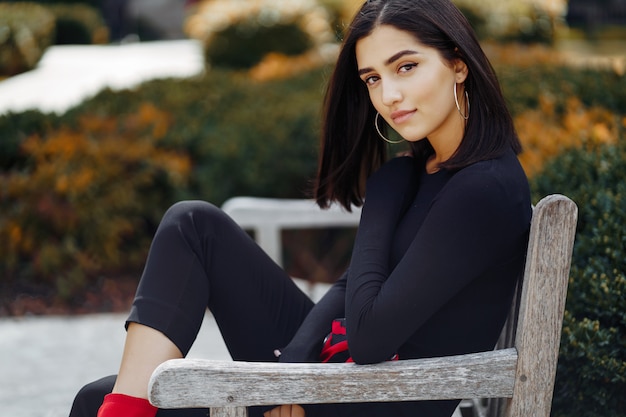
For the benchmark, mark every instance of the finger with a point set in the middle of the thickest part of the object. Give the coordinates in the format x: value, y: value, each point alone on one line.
x: 291, y: 410
x: 297, y: 411
x: 274, y: 412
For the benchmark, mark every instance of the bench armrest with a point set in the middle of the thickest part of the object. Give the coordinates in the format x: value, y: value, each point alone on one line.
x: 200, y: 383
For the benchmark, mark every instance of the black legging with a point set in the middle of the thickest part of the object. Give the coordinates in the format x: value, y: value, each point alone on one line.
x: 200, y: 257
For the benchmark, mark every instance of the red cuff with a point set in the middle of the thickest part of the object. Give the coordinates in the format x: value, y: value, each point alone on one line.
x: 115, y: 405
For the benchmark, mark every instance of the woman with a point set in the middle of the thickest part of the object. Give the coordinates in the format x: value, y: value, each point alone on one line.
x: 441, y: 242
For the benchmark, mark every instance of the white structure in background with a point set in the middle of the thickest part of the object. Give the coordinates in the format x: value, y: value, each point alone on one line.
x: 69, y: 74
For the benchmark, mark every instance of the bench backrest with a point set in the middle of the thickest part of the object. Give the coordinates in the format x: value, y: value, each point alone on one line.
x: 542, y: 304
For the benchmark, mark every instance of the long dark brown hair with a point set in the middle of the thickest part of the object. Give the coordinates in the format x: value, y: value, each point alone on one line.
x: 351, y: 149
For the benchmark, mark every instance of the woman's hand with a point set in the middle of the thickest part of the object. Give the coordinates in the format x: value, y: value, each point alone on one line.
x: 289, y: 410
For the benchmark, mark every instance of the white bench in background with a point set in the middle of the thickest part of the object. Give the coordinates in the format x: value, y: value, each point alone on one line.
x: 267, y: 217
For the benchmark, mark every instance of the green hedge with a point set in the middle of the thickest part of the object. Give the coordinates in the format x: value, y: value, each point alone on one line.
x: 523, y: 87
x: 239, y: 136
x: 85, y: 199
x: 244, y: 45
x: 591, y: 377
x: 79, y: 24
x: 517, y: 22
x: 245, y: 137
x: 28, y: 28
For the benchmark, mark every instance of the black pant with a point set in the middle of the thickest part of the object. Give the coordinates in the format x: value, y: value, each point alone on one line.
x: 200, y: 257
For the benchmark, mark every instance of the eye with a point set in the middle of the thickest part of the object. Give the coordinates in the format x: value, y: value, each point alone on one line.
x: 407, y: 67
x: 371, y: 80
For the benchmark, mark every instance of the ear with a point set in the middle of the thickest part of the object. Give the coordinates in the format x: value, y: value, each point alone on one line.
x: 460, y: 70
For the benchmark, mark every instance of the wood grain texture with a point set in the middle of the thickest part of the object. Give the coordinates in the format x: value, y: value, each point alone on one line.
x: 204, y: 383
x: 229, y: 412
x: 524, y: 373
x: 542, y: 305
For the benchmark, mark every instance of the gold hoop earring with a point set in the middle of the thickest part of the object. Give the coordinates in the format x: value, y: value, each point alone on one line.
x: 456, y: 100
x: 380, y: 133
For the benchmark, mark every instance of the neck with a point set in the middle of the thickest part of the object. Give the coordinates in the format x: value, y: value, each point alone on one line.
x: 445, y: 145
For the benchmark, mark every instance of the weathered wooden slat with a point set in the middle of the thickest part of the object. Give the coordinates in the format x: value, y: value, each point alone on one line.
x: 229, y: 412
x: 542, y: 305
x: 205, y: 383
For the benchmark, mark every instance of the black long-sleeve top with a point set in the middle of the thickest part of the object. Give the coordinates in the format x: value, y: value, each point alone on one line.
x: 434, y: 265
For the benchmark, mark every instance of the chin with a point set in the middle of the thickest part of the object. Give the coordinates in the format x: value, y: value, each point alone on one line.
x: 413, y: 139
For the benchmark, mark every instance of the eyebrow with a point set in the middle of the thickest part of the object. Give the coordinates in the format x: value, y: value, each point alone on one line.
x: 390, y: 60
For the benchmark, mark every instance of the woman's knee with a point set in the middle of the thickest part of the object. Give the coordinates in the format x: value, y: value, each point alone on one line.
x: 185, y: 209
x: 194, y: 213
x: 198, y: 219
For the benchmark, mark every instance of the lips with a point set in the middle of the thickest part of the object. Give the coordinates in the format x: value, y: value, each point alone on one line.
x: 400, y: 116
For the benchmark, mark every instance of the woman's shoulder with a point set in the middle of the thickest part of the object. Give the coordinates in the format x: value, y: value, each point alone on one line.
x: 505, y: 168
x: 500, y: 180
x: 397, y: 167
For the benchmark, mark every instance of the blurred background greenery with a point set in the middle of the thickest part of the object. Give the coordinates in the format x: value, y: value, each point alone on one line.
x: 82, y: 192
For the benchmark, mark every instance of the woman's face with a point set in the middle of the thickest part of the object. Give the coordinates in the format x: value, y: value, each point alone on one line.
x: 411, y: 86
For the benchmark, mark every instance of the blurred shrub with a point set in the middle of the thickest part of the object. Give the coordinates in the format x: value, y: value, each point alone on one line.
x: 279, y: 66
x: 227, y: 46
x: 14, y: 129
x: 545, y: 134
x: 524, y: 86
x: 477, y: 20
x: 238, y: 34
x: 536, y: 26
x: 244, y: 137
x: 94, y: 3
x: 26, y: 30
x: 86, y: 190
x: 511, y: 21
x: 87, y: 199
x: 79, y: 24
x: 340, y: 14
x: 591, y: 376
x: 556, y: 106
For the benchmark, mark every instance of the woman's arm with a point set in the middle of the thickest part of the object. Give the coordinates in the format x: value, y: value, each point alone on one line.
x: 307, y: 342
x: 477, y: 222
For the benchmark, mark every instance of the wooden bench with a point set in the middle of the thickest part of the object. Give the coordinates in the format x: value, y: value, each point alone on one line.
x: 521, y: 371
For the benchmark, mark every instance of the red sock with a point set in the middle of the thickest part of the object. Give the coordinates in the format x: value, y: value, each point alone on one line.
x: 120, y: 405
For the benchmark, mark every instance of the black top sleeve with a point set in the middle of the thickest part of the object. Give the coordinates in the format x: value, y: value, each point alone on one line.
x: 307, y: 342
x: 421, y: 242
x: 477, y: 221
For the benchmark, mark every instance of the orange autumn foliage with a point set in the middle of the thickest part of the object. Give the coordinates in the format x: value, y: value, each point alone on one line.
x: 85, y: 194
x: 544, y: 133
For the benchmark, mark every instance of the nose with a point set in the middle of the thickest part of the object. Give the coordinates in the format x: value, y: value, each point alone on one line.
x: 391, y: 93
